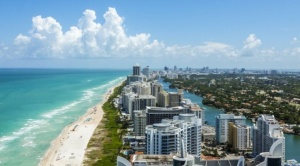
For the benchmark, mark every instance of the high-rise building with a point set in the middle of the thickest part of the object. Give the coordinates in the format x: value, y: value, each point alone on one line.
x: 133, y: 78
x: 165, y: 137
x: 139, y: 122
x: 136, y: 75
x: 166, y: 68
x: 146, y: 71
x: 239, y: 136
x: 132, y: 101
x: 268, y: 137
x: 162, y: 138
x: 156, y: 88
x: 191, y: 132
x: 222, y: 126
x: 195, y: 108
x: 142, y: 88
x: 142, y: 101
x: 136, y: 70
x: 156, y: 114
x: 175, y: 98
x: 163, y: 99
x: 128, y: 102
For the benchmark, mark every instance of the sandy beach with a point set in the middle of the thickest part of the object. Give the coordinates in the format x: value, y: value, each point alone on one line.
x: 69, y: 147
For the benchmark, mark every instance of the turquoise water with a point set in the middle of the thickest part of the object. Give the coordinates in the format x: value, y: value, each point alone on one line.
x: 292, y: 142
x: 36, y: 104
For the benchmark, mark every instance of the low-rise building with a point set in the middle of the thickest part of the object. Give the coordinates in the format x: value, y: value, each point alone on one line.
x: 208, y: 133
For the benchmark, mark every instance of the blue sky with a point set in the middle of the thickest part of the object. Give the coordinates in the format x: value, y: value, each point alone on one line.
x: 118, y: 34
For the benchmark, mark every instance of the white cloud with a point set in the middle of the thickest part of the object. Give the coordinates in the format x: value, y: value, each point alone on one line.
x: 268, y: 52
x: 250, y: 46
x: 216, y: 48
x: 91, y: 39
x: 293, y: 52
x: 252, y: 42
x: 21, y: 39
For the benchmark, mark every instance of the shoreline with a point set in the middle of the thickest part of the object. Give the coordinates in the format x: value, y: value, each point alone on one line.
x: 69, y: 147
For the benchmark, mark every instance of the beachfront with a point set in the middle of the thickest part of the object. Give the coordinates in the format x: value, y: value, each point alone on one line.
x: 69, y: 147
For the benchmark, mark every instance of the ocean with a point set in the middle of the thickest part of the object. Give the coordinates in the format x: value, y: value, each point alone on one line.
x: 37, y: 104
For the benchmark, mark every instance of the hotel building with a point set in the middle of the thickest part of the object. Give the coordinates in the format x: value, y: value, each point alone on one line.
x: 165, y: 137
x: 156, y: 114
x: 268, y: 137
x: 239, y: 136
x: 222, y: 126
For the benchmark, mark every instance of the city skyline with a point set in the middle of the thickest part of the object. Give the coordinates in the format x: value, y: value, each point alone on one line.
x: 88, y: 34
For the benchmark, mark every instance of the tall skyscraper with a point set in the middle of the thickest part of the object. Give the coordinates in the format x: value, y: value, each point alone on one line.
x: 136, y: 75
x: 139, y: 121
x: 175, y: 98
x: 136, y: 70
x: 268, y: 137
x: 146, y: 71
x: 163, y: 99
x: 156, y: 88
x: 222, y: 126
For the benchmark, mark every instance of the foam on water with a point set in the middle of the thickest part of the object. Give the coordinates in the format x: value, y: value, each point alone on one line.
x: 29, y: 141
x: 6, y: 139
x: 29, y: 126
x: 29, y: 144
x: 34, y: 135
x: 87, y: 96
x: 109, y: 84
x: 34, y: 124
x: 60, y: 110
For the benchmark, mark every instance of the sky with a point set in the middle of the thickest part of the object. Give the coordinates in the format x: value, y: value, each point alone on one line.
x: 118, y: 34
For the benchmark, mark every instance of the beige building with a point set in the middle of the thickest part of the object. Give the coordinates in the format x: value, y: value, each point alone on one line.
x: 239, y: 136
x: 163, y: 99
x: 175, y: 98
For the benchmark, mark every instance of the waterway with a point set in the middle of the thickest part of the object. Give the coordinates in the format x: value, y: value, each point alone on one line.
x: 292, y: 142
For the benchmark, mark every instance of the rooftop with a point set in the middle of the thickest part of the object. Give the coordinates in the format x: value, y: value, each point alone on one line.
x: 153, y: 159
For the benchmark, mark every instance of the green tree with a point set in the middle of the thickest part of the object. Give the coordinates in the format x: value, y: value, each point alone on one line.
x: 296, y: 129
